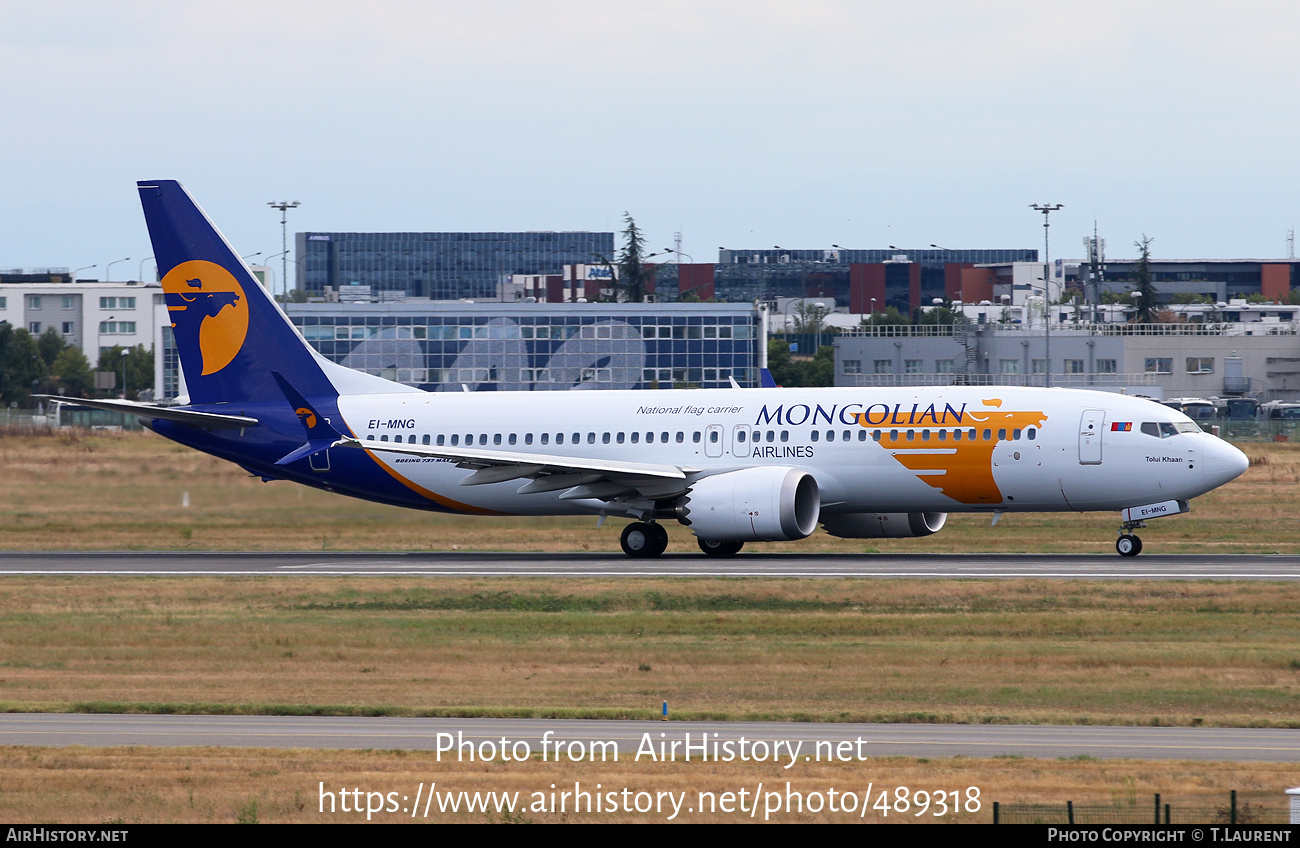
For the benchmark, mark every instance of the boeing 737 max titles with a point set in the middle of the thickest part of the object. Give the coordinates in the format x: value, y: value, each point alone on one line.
x: 733, y: 465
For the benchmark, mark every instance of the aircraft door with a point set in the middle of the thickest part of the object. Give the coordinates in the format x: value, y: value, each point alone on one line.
x: 1090, y: 428
x: 320, y: 461
x: 713, y: 439
x: 740, y: 440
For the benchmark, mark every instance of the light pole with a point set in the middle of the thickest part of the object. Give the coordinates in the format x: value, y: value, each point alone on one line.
x: 284, y: 206
x: 79, y: 270
x: 1047, y: 209
x: 125, y: 353
x: 108, y: 269
x: 141, y: 274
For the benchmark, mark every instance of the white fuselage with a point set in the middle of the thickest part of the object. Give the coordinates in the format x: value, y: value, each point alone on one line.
x: 933, y: 449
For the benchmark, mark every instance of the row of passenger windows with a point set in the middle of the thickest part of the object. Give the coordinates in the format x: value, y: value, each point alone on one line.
x: 664, y: 437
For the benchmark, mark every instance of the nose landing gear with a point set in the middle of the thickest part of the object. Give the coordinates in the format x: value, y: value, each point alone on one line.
x: 1129, y: 544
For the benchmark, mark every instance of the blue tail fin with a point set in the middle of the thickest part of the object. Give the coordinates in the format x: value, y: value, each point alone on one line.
x: 230, y: 333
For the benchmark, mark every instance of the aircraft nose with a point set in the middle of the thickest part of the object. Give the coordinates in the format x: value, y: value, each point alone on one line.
x: 1223, y: 462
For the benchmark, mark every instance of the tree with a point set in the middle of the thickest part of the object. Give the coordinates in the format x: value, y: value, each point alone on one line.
x: 792, y: 373
x: 1145, y: 289
x: 139, y: 366
x: 632, y: 270
x: 50, y: 345
x: 21, y: 366
x: 810, y: 318
x: 70, y: 373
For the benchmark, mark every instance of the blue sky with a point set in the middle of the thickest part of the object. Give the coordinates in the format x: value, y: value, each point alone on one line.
x: 741, y: 124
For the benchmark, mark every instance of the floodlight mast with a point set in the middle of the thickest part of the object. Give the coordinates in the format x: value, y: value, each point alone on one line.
x: 1047, y: 209
x: 284, y: 206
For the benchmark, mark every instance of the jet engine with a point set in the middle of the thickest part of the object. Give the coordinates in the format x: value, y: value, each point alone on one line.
x: 884, y: 525
x: 768, y: 504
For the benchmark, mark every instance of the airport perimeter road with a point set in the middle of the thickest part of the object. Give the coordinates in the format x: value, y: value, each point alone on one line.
x: 461, y: 564
x: 865, y: 740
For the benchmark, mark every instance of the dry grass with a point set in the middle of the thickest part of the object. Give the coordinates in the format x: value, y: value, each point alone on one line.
x: 138, y: 785
x: 1021, y: 651
x: 124, y: 491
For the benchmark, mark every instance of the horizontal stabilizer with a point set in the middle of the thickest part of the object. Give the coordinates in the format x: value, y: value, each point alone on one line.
x: 203, y: 420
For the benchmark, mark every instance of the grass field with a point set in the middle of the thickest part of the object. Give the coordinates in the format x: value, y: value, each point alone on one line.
x: 126, y: 492
x: 1187, y: 653
x: 226, y: 785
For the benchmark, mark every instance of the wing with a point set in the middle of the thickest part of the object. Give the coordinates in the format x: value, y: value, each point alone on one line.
x: 204, y: 420
x: 600, y: 479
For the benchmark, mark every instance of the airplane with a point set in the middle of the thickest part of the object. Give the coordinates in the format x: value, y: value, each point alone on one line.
x: 732, y: 465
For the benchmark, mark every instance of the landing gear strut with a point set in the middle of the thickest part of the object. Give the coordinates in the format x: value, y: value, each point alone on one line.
x: 1129, y: 544
x: 643, y: 539
x: 721, y: 548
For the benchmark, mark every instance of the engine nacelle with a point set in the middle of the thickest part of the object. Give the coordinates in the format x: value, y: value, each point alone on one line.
x: 884, y: 525
x: 767, y: 504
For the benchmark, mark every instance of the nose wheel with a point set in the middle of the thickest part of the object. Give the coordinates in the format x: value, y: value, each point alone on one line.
x: 1128, y: 545
x: 643, y: 539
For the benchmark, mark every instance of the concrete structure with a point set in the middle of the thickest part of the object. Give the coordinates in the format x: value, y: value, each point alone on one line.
x: 1260, y: 360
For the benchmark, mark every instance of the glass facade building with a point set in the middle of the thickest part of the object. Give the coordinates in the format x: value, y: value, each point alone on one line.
x: 538, y: 347
x: 439, y: 266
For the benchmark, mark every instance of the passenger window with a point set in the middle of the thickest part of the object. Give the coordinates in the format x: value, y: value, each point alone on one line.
x: 1030, y: 433
x: 875, y: 434
x: 956, y: 435
x: 830, y: 435
x: 496, y: 439
x: 559, y: 438
x: 988, y: 435
x: 620, y: 438
x: 577, y: 438
x: 713, y: 437
x: 591, y: 438
x: 681, y: 437
x: 847, y: 436
x: 943, y: 435
x: 455, y: 439
x: 397, y: 439
x: 528, y: 438
x: 740, y: 435
x: 973, y: 434
x: 893, y: 435
x: 1015, y: 434
x: 441, y: 440
x: 663, y: 437
x: 911, y: 434
x: 513, y: 438
x: 383, y: 438
x: 546, y: 438
x: 815, y: 435
x: 636, y: 437
x: 604, y: 438
x: 425, y: 440
x: 482, y: 439
x: 925, y: 435
x: 1002, y: 435
x: 695, y: 437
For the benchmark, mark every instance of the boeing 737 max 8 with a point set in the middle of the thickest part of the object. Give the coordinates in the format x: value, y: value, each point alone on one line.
x: 734, y: 465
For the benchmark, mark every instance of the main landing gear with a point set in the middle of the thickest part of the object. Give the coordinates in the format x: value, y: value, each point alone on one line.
x: 721, y: 548
x: 1129, y: 544
x: 643, y: 539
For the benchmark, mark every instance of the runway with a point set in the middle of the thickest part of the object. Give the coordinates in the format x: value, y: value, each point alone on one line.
x: 840, y: 742
x: 463, y: 564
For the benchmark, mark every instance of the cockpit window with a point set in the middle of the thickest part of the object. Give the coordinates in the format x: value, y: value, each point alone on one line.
x: 1165, y: 429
